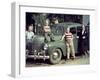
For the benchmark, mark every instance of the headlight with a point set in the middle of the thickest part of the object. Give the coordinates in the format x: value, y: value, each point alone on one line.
x: 45, y: 47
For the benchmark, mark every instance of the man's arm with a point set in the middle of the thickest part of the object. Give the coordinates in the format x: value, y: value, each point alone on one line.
x: 63, y: 37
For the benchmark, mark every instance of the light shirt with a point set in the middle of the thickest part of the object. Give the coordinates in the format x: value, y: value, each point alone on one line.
x: 29, y: 35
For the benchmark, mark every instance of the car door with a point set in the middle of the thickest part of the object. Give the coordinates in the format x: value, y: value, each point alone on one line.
x: 75, y: 40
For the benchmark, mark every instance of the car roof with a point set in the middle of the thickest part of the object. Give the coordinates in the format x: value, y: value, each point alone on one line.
x: 68, y: 24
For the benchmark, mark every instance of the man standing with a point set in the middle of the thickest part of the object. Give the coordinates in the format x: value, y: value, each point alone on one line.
x: 84, y: 44
x: 69, y: 43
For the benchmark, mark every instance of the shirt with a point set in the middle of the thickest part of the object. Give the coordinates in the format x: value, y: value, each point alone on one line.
x: 29, y: 35
x: 68, y: 37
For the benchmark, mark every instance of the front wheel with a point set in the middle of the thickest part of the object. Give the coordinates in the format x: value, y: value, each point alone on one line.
x: 55, y: 56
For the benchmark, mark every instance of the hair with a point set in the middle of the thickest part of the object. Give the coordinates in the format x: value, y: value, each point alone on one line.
x: 31, y: 25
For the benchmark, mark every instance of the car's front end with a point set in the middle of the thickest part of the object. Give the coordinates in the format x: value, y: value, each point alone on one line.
x: 39, y: 49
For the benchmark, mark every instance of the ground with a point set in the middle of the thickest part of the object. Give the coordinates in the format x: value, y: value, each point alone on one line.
x: 80, y: 60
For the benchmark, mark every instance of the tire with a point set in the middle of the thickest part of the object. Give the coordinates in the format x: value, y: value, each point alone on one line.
x: 55, y: 56
x: 27, y: 52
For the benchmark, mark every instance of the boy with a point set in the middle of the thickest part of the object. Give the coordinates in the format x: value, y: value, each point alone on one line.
x: 29, y: 37
x: 47, y: 30
x: 69, y: 43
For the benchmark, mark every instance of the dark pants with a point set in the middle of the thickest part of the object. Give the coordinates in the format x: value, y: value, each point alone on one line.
x: 84, y: 46
x: 48, y: 37
x: 29, y: 44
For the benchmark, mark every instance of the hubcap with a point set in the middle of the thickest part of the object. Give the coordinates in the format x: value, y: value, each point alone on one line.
x: 55, y: 55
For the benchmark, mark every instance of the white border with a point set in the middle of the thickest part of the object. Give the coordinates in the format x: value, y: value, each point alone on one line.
x: 18, y: 40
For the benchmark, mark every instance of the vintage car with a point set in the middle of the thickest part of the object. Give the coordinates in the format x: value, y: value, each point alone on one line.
x: 56, y: 50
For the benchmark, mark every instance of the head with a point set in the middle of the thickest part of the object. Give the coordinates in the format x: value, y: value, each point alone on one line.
x: 56, y: 20
x: 47, y: 22
x: 30, y: 28
x: 68, y: 30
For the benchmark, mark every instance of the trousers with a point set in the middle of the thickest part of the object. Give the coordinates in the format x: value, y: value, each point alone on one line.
x: 70, y: 49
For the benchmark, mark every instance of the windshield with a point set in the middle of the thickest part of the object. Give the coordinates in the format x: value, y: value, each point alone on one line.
x: 73, y: 30
x: 57, y: 30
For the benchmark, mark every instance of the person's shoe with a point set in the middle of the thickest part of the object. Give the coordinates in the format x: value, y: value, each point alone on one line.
x: 72, y: 58
x: 67, y: 59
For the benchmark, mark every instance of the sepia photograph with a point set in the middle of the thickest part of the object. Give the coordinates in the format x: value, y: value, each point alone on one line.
x: 53, y: 39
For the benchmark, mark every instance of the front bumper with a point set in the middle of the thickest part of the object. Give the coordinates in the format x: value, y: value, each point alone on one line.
x: 38, y: 55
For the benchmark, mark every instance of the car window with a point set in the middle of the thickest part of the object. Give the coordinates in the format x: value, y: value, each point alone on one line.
x: 73, y: 30
x: 79, y: 30
x: 57, y: 30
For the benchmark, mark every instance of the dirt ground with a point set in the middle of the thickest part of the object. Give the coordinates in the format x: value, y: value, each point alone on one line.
x: 80, y: 60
